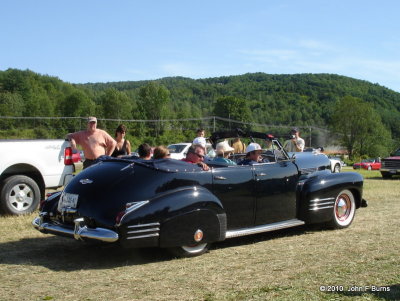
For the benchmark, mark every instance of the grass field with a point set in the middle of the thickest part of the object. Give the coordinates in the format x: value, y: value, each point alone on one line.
x: 360, y: 262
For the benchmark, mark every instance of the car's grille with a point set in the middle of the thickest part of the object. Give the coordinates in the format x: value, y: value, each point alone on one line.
x: 143, y: 231
x: 395, y: 164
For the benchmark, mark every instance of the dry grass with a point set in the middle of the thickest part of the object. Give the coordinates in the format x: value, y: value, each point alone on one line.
x: 284, y: 265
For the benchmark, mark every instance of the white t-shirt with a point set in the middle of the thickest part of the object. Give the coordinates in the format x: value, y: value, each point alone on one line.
x: 289, y: 146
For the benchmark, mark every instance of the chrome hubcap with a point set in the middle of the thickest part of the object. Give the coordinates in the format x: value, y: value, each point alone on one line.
x: 21, y: 197
x: 343, y: 207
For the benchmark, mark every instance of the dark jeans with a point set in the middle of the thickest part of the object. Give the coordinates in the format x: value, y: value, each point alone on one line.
x: 88, y: 162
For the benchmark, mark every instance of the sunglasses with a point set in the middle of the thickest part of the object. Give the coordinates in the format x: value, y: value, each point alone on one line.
x: 200, y: 156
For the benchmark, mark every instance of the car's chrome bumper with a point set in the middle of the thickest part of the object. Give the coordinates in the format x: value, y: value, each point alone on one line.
x: 390, y: 170
x: 79, y: 232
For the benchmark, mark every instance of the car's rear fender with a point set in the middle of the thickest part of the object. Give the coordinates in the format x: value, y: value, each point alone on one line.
x: 51, y: 202
x: 172, y: 218
x: 316, y: 195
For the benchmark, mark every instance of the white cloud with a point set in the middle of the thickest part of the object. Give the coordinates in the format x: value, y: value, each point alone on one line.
x: 269, y: 55
x: 315, y: 45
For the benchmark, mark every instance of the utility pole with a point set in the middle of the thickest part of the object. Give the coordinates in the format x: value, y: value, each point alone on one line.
x: 214, y: 124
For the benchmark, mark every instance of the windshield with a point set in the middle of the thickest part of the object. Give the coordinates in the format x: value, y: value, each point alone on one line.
x: 368, y: 161
x: 176, y: 148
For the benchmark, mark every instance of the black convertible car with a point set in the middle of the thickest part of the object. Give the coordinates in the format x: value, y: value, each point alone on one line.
x: 176, y: 205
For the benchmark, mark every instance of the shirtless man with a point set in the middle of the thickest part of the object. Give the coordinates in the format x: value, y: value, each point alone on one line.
x: 94, y: 142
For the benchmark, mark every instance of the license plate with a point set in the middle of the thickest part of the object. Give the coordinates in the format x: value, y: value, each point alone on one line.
x: 393, y: 171
x: 69, y: 200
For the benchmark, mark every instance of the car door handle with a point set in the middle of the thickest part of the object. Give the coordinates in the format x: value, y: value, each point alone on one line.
x: 219, y: 178
x: 261, y: 174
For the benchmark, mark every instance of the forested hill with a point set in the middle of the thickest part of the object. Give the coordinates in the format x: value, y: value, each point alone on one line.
x: 305, y: 99
x: 300, y: 99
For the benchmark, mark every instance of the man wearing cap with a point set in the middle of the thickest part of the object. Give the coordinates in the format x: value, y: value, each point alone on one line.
x: 223, y: 150
x: 94, y: 142
x: 295, y: 144
x: 253, y: 154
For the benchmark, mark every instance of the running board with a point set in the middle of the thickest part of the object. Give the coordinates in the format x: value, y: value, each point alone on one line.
x: 264, y: 228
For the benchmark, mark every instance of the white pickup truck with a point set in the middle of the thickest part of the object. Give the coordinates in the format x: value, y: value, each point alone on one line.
x: 27, y: 168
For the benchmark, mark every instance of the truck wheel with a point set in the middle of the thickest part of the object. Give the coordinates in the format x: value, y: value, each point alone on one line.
x: 190, y: 251
x: 337, y: 168
x: 344, y: 210
x: 19, y: 195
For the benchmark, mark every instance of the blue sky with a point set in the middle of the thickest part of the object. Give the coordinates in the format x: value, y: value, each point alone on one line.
x: 105, y: 41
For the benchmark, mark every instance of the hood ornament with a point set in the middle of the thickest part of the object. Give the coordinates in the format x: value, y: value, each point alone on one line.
x: 86, y: 181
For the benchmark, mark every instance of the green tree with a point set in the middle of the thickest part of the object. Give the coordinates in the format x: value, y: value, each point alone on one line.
x: 11, y: 104
x: 233, y: 108
x: 77, y: 104
x: 116, y: 104
x: 154, y: 100
x: 359, y: 127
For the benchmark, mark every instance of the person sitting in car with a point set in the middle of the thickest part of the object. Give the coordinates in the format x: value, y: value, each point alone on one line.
x: 253, y: 154
x: 144, y: 151
x: 223, y: 151
x: 161, y: 152
x: 195, y: 155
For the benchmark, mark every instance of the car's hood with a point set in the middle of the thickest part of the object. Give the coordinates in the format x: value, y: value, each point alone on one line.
x: 392, y: 158
x: 309, y: 162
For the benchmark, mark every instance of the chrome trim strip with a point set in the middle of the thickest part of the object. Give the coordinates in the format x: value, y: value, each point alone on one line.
x: 320, y: 208
x: 143, y: 236
x: 144, y: 230
x: 264, y: 228
x: 128, y: 166
x: 135, y: 206
x: 321, y: 200
x: 143, y: 225
x: 322, y: 204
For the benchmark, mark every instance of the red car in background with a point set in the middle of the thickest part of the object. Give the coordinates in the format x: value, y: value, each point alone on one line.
x: 369, y: 164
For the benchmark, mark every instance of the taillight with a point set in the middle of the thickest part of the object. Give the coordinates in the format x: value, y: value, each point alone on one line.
x: 49, y: 194
x: 68, y: 156
x: 119, y: 217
